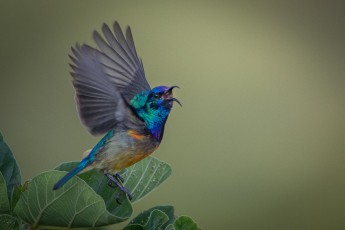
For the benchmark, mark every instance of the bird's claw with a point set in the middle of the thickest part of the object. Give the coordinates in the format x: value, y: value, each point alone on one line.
x: 127, y: 192
x: 119, y: 177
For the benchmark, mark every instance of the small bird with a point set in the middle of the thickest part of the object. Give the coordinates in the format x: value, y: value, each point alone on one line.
x: 114, y: 98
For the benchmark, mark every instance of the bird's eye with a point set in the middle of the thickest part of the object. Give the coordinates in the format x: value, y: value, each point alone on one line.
x: 156, y: 95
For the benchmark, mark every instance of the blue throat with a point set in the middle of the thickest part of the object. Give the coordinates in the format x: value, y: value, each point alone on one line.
x: 155, y: 121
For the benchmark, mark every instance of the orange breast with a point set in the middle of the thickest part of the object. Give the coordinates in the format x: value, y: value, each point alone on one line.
x: 126, y: 160
x: 134, y: 159
x: 135, y: 135
x: 132, y: 155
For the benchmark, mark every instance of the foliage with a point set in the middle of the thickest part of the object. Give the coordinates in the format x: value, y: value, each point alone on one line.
x: 86, y: 201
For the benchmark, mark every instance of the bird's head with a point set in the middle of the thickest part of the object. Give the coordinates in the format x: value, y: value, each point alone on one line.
x: 154, y: 107
x: 161, y: 97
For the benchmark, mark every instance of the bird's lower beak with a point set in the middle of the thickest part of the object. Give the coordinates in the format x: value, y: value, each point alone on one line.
x: 168, y: 95
x: 174, y: 99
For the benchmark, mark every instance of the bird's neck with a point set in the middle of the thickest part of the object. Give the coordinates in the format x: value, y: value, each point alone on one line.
x: 155, y: 121
x: 153, y: 117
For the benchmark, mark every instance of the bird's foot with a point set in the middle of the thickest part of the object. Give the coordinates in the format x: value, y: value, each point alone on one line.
x: 115, y: 182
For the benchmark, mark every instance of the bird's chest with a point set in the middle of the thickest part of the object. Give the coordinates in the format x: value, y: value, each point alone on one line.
x: 124, y: 150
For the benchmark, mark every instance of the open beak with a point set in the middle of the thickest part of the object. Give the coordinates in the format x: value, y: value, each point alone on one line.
x: 168, y: 95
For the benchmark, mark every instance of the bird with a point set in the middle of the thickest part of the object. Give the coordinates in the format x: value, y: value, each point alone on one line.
x: 114, y: 99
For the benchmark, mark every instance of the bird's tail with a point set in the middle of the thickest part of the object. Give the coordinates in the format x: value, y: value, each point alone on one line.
x: 82, y: 165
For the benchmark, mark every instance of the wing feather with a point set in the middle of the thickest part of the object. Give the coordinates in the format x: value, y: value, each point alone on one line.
x: 118, y: 53
x: 97, y: 99
x: 106, y: 78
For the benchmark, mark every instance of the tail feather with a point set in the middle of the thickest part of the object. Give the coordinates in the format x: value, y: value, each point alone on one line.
x: 82, y: 165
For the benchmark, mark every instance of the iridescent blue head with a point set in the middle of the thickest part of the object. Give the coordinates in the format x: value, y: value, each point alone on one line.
x: 153, y: 107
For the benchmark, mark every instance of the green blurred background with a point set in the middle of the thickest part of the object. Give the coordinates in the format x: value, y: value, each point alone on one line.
x: 259, y: 142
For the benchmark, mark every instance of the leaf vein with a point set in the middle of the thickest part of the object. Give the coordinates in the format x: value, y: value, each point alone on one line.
x: 51, y: 202
x: 142, y: 175
x: 149, y: 181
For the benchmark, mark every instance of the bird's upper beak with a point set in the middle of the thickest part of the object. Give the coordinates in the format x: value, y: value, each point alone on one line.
x: 168, y: 95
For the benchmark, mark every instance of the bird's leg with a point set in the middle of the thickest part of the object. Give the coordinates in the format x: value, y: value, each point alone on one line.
x: 115, y: 181
x: 119, y: 177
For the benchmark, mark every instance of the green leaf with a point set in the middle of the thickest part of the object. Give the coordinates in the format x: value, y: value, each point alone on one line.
x: 74, y: 205
x: 185, y: 223
x: 4, y: 203
x: 8, y: 222
x: 153, y: 216
x: 161, y: 217
x: 144, y: 176
x: 8, y: 167
x: 170, y: 227
x: 156, y: 220
x: 141, y: 178
x: 17, y: 192
x: 99, y: 183
x: 12, y: 223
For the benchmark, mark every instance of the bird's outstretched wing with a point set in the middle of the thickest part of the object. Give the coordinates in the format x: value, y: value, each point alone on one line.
x: 120, y: 61
x: 105, y: 80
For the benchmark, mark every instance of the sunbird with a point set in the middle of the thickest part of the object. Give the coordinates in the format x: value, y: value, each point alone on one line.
x: 114, y: 98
